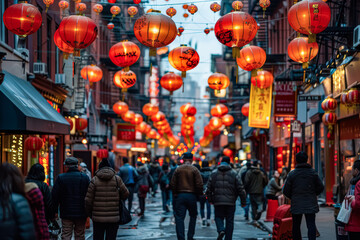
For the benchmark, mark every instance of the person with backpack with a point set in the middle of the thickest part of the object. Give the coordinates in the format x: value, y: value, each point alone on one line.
x: 143, y: 185
x: 129, y: 176
x: 165, y: 187
x: 205, y: 172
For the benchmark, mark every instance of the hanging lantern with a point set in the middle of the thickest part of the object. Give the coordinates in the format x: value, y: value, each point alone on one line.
x: 206, y: 31
x: 22, y: 19
x: 185, y: 6
x: 329, y: 118
x: 47, y: 4
x: 115, y: 10
x: 132, y: 11
x: 235, y: 30
x: 120, y: 108
x: 137, y: 1
x: 78, y: 31
x: 63, y: 46
x: 92, y: 73
x: 188, y: 110
x: 237, y: 5
x: 192, y: 9
x: 245, y: 109
x: 300, y: 50
x: 171, y: 82
x: 110, y: 26
x: 184, y: 58
x: 124, y: 54
x: 228, y: 152
x: 141, y: 127
x: 152, y: 134
x: 251, y: 58
x: 227, y: 120
x: 124, y: 79
x: 98, y: 8
x: 220, y: 93
x: 344, y: 98
x: 80, y: 124
x: 128, y: 116
x: 218, y: 81
x: 215, y: 7
x: 309, y: 17
x: 80, y: 7
x: 171, y: 12
x: 102, y: 153
x: 329, y: 104
x: 147, y: 129
x: 111, y: 1
x: 155, y: 30
x: 63, y: 4
x: 215, y: 123
x: 263, y: 79
x: 185, y: 15
x: 187, y: 132
x: 189, y: 120
x: 264, y: 4
x: 181, y: 29
x: 137, y: 119
x: 219, y: 110
x: 159, y: 116
x: 33, y: 144
x: 70, y: 122
x: 163, y: 143
x: 353, y: 96
x: 150, y: 109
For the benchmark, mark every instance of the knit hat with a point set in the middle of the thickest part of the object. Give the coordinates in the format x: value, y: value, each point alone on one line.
x: 104, y: 163
x: 71, y: 161
x: 187, y: 156
x: 301, y: 157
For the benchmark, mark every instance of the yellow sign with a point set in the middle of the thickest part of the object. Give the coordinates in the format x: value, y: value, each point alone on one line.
x: 260, y: 107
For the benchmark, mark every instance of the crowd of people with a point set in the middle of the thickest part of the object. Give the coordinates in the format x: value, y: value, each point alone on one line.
x: 29, y: 210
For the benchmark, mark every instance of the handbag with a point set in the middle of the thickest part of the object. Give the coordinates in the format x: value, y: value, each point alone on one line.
x: 124, y: 213
x: 345, y: 212
x: 54, y: 229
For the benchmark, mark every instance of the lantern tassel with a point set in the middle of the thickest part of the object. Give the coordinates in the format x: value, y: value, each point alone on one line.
x: 183, y: 74
x: 264, y: 9
x: 150, y: 69
x: 152, y: 52
x: 235, y: 52
x: 126, y: 69
x: 304, y: 76
x: 183, y: 87
x: 254, y: 72
x: 312, y: 38
x: 46, y: 9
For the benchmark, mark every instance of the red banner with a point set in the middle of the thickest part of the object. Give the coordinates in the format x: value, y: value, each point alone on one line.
x: 125, y: 131
x: 285, y: 99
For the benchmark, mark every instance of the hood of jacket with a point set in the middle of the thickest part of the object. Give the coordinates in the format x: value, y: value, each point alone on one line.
x: 224, y: 168
x: 105, y: 173
x: 30, y: 186
x: 255, y: 170
x: 142, y: 169
x: 205, y: 169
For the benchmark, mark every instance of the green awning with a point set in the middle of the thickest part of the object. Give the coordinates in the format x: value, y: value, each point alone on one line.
x: 24, y: 110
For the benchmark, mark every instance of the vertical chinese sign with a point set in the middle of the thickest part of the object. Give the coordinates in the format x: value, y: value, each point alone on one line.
x: 285, y: 99
x: 154, y: 86
x: 260, y: 107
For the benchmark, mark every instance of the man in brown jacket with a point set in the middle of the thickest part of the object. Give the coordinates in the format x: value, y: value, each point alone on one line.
x: 186, y: 185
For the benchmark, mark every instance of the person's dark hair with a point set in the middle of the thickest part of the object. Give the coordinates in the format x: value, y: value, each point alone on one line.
x: 36, y: 172
x: 356, y: 165
x: 255, y: 163
x: 301, y: 157
x: 165, y: 166
x: 225, y: 159
x: 248, y: 164
x: 104, y: 163
x: 139, y: 164
x: 197, y: 166
x: 205, y: 164
x: 125, y: 160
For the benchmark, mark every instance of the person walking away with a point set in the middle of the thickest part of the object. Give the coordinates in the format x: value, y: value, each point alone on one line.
x: 274, y: 189
x: 143, y: 186
x: 353, y: 226
x: 36, y: 175
x: 69, y: 192
x: 186, y: 185
x: 154, y: 170
x: 35, y: 199
x: 16, y: 221
x: 84, y: 169
x: 255, y: 182
x: 302, y: 186
x: 129, y: 176
x: 205, y: 172
x: 242, y: 174
x: 165, y: 187
x: 102, y: 201
x: 223, y: 189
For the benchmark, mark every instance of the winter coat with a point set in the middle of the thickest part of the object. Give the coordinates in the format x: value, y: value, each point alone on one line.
x: 17, y: 224
x: 243, y: 172
x: 273, y: 188
x: 35, y: 199
x: 155, y: 170
x: 128, y: 174
x: 164, y: 180
x: 102, y: 198
x: 69, y: 192
x: 354, y: 221
x: 187, y: 179
x: 255, y: 181
x: 302, y: 186
x: 145, y: 181
x: 225, y: 186
x: 205, y: 174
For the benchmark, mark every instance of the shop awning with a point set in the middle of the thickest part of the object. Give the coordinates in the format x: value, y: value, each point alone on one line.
x: 23, y: 109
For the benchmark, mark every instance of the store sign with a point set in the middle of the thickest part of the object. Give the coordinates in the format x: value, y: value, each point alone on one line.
x: 285, y: 99
x: 44, y: 161
x: 154, y: 86
x: 295, y: 126
x: 126, y: 131
x: 260, y: 107
x: 310, y: 98
x: 338, y: 80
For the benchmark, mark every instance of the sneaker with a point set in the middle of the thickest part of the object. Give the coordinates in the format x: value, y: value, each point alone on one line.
x: 208, y: 222
x: 204, y: 222
x: 221, y: 235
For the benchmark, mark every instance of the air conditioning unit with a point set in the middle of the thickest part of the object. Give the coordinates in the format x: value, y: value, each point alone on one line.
x: 60, y: 78
x: 356, y: 37
x: 40, y: 68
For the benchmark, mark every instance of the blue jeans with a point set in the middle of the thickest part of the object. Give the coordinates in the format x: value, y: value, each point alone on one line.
x: 225, y: 212
x: 183, y: 202
x: 165, y: 198
x: 204, y: 201
x: 247, y: 207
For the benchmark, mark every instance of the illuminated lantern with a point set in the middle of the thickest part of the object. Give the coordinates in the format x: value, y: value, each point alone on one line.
x: 147, y: 129
x: 33, y: 144
x: 245, y: 109
x: 188, y: 110
x: 160, y: 123
x: 77, y: 1
x: 48, y: 3
x: 263, y: 79
x: 179, y: 34
x: 102, y: 153
x: 264, y: 4
x: 174, y: 140
x: 132, y: 11
x: 128, y: 116
x: 218, y: 81
x: 155, y: 30
x: 150, y: 109
x: 227, y: 120
x: 192, y: 9
x: 110, y: 26
x: 309, y: 17
x: 206, y: 31
x: 237, y: 5
x: 219, y: 110
x: 171, y: 12
x: 300, y: 50
x: 235, y: 30
x: 63, y: 4
x: 124, y: 54
x: 344, y: 98
x: 227, y: 152
x: 215, y: 7
x: 353, y: 96
x: 187, y: 132
x: 120, y: 108
x: 92, y: 73
x: 141, y: 127
x: 111, y: 1
x: 251, y: 57
x: 215, y: 123
x: 185, y: 6
x: 157, y: 117
x: 329, y: 104
x: 188, y: 120
x: 78, y: 31
x: 184, y: 58
x: 65, y: 48
x: 98, y: 8
x: 181, y: 29
x: 329, y: 118
x: 137, y: 1
x: 137, y: 119
x: 124, y: 79
x: 81, y: 124
x: 171, y: 82
x: 22, y: 19
x: 70, y: 122
x: 220, y: 93
x: 163, y: 143
x: 185, y: 15
x: 115, y: 10
x: 80, y: 7
x: 152, y: 134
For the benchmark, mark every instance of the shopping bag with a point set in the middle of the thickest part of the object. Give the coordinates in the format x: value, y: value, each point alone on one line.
x: 345, y: 212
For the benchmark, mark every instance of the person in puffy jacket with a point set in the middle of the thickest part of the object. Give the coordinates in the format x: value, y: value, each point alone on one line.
x: 16, y: 221
x: 353, y: 226
x: 102, y: 201
x: 205, y: 172
x: 144, y: 183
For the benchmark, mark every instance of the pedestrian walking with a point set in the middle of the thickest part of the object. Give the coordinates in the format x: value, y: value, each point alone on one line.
x: 36, y: 201
x: 16, y: 221
x: 143, y: 186
x: 223, y: 189
x: 129, y: 176
x: 187, y: 186
x: 205, y: 172
x: 69, y: 192
x: 165, y: 187
x: 105, y: 191
x: 302, y: 186
x: 154, y: 170
x: 353, y: 226
x: 84, y: 169
x: 274, y: 189
x: 255, y: 182
x: 242, y: 174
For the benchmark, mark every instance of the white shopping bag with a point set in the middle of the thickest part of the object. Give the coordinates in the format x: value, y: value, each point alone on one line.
x: 345, y: 212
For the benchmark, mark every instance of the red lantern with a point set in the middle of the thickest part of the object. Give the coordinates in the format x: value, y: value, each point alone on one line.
x: 245, y: 109
x: 237, y: 5
x: 219, y: 110
x: 63, y: 46
x: 128, y: 116
x: 124, y: 54
x: 132, y: 11
x: 152, y: 134
x: 171, y: 82
x: 115, y: 10
x: 181, y: 29
x: 137, y: 1
x: 70, y: 122
x: 63, y: 4
x: 120, y: 108
x: 185, y: 6
x: 329, y: 104
x: 215, y: 123
x: 141, y: 127
x: 110, y: 26
x: 206, y: 31
x: 33, y: 144
x: 102, y: 153
x: 218, y: 81
x: 264, y: 79
x: 187, y: 132
x: 171, y: 12
x: 190, y: 120
x: 251, y: 57
x: 184, y: 58
x: 137, y: 119
x: 353, y: 96
x: 98, y: 8
x: 192, y: 9
x: 80, y: 7
x: 92, y: 73
x: 227, y: 152
x: 78, y: 31
x: 150, y: 109
x: 188, y: 110
x: 124, y: 79
x: 81, y: 124
x: 185, y: 15
x: 329, y: 118
x: 159, y: 116
x: 215, y: 7
x: 300, y: 50
x: 22, y: 19
x: 48, y: 3
x: 227, y: 120
x: 264, y: 4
